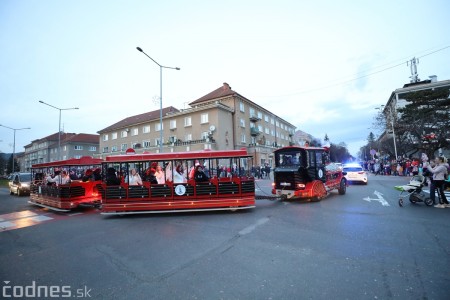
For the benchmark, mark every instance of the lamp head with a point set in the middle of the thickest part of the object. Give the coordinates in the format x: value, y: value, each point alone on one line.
x: 177, y: 69
x: 139, y: 49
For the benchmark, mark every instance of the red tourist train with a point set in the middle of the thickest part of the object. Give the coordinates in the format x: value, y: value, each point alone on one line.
x: 180, y: 181
x: 177, y: 182
x: 75, y: 183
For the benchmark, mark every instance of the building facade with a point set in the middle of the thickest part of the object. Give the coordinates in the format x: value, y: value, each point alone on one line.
x: 396, y: 101
x: 73, y: 145
x: 220, y: 120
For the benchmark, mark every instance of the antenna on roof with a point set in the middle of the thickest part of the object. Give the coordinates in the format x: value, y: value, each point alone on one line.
x: 413, y: 65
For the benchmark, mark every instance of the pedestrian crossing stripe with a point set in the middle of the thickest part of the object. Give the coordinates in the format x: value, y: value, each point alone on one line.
x: 21, y: 219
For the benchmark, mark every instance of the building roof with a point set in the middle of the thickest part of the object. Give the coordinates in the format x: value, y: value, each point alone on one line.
x: 83, y: 138
x: 224, y: 91
x: 67, y: 137
x: 137, y: 119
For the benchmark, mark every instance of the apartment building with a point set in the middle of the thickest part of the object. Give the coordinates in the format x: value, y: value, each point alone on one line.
x: 222, y: 119
x: 73, y: 145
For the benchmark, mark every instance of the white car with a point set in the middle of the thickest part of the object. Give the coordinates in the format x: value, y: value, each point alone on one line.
x: 355, y: 173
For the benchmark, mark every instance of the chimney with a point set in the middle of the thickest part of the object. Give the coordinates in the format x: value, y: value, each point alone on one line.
x: 226, y: 86
x: 433, y: 78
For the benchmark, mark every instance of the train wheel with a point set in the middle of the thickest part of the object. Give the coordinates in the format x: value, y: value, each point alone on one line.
x: 342, y: 187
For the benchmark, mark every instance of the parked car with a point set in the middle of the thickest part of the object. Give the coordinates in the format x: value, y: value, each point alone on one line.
x: 20, y: 184
x: 355, y: 173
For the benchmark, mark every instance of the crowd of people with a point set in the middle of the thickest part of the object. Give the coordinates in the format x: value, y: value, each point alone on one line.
x: 436, y: 173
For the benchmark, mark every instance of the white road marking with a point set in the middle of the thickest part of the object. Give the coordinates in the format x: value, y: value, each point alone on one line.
x: 379, y: 199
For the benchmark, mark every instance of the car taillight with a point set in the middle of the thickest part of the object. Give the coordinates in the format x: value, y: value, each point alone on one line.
x: 301, y: 185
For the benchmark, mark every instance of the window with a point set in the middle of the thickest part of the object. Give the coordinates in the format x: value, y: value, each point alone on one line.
x: 134, y: 145
x: 260, y: 128
x: 146, y: 129
x: 272, y: 132
x: 259, y: 115
x: 252, y: 112
x: 113, y: 148
x: 243, y: 137
x: 124, y: 133
x: 105, y: 149
x: 267, y: 130
x: 266, y: 118
x: 114, y: 135
x: 204, y: 135
x: 272, y: 121
x: 123, y: 147
x: 92, y: 148
x: 157, y: 143
x: 188, y: 137
x: 173, y: 124
x: 135, y: 131
x: 204, y: 118
x: 241, y: 106
x: 242, y: 123
x: 65, y: 148
x: 158, y: 126
x: 252, y: 125
x: 78, y: 147
x: 172, y: 139
x: 187, y: 121
x: 278, y: 123
x: 146, y: 144
x: 77, y: 156
x: 105, y: 138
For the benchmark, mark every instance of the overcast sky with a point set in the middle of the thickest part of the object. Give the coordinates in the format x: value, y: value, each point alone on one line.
x: 298, y: 59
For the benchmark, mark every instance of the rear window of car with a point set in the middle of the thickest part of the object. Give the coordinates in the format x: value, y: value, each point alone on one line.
x: 353, y: 169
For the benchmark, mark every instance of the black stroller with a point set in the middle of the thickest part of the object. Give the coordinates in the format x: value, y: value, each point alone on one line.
x: 413, y: 190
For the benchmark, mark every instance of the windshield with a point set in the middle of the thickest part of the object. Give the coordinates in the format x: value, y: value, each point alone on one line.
x: 25, y: 177
x: 289, y: 159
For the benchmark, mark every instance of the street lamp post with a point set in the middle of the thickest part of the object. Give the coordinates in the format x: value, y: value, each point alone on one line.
x: 14, y: 142
x: 160, y: 97
x: 59, y: 126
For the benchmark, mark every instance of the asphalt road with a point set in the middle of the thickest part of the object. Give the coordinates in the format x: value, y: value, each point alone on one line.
x: 361, y: 245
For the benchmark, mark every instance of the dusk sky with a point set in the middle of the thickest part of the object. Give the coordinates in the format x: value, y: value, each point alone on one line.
x: 323, y: 66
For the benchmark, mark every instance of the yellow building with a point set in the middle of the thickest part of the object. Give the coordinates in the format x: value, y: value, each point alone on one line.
x: 220, y: 120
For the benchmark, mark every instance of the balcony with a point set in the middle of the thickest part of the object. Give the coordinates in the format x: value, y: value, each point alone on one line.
x: 254, y: 118
x: 254, y: 131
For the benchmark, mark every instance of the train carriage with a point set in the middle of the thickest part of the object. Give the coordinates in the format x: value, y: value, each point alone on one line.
x: 59, y: 196
x: 168, y: 182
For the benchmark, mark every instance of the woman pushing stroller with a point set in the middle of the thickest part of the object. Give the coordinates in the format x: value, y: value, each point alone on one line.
x: 440, y: 172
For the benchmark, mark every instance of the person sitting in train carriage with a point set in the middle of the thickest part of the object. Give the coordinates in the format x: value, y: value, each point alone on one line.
x: 111, y: 177
x: 160, y: 175
x: 54, y: 180
x: 87, y: 175
x: 168, y: 168
x: 199, y: 174
x: 134, y: 178
x: 178, y: 175
x: 150, y: 175
x: 97, y: 174
x: 65, y: 179
x: 73, y: 175
x: 193, y: 168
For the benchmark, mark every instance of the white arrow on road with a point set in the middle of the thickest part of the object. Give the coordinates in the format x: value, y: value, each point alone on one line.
x: 379, y: 199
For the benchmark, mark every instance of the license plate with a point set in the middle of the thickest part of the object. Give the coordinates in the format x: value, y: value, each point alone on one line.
x: 285, y: 184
